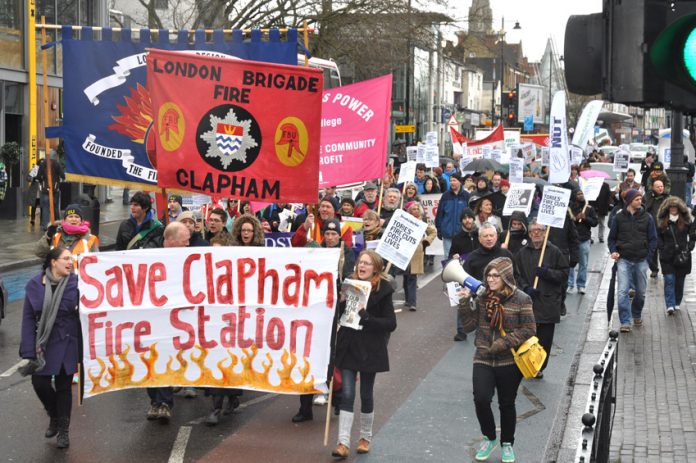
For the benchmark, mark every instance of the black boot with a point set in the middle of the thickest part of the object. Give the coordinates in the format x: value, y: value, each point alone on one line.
x: 52, y: 429
x: 305, y: 413
x: 63, y: 436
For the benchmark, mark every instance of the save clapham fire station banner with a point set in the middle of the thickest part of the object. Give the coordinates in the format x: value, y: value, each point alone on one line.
x: 249, y: 318
x: 240, y: 130
x: 355, y: 132
x: 108, y: 119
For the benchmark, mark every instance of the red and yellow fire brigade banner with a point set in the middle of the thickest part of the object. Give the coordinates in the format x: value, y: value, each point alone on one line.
x: 236, y: 129
x: 249, y: 318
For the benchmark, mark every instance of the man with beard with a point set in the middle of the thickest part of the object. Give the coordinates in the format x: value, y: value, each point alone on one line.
x: 392, y: 198
x: 547, y: 296
x: 370, y: 200
x: 488, y: 249
x: 466, y: 241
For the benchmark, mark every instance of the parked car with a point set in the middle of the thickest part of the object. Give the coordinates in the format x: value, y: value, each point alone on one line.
x: 608, y: 151
x: 639, y: 150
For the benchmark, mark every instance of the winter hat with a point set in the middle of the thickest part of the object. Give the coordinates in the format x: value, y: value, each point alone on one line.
x: 185, y: 215
x: 467, y: 213
x: 73, y: 209
x: 327, y: 199
x: 504, y: 267
x: 369, y: 186
x: 456, y: 175
x: 331, y: 225
x: 630, y: 195
x: 176, y: 198
x: 504, y: 182
x: 657, y: 166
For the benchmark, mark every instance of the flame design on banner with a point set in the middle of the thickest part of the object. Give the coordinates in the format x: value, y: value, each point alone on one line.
x: 135, y: 117
x: 119, y: 374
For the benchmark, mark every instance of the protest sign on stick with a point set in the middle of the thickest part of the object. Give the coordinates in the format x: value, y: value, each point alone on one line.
x: 430, y: 203
x: 591, y: 187
x: 622, y: 158
x: 412, y: 154
x: 519, y: 198
x: 431, y: 156
x: 249, y: 318
x: 516, y: 170
x: 401, y: 238
x: 407, y: 173
x: 420, y: 153
x: 553, y: 208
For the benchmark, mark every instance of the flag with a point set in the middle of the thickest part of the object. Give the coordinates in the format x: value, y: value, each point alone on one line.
x: 241, y: 130
x: 108, y: 119
x: 559, y: 161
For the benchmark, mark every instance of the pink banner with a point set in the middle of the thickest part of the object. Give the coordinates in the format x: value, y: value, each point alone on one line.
x: 355, y: 132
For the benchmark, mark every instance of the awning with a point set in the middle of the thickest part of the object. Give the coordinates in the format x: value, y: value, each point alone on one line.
x: 610, y: 117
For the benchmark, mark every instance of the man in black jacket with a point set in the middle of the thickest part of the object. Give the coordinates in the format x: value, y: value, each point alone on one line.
x: 477, y: 261
x: 466, y: 241
x: 547, y: 293
x: 602, y: 206
x: 585, y: 219
x: 632, y: 242
x: 142, y: 229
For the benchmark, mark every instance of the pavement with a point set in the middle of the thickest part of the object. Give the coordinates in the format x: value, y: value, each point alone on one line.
x: 19, y: 237
x: 655, y: 416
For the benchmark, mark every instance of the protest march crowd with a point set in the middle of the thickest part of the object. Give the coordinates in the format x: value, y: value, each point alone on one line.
x: 526, y: 267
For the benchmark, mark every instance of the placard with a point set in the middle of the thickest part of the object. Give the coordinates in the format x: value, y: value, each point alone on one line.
x: 412, y: 154
x: 591, y: 187
x: 356, y: 292
x: 430, y: 204
x: 431, y: 156
x: 553, y: 208
x: 420, y: 153
x: 519, y: 198
x: 407, y: 172
x: 622, y: 158
x: 431, y: 138
x: 545, y: 156
x: 576, y: 155
x: 516, y: 170
x: 401, y: 238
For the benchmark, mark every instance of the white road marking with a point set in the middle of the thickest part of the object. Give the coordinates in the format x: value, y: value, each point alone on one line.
x: 12, y: 370
x: 179, y: 449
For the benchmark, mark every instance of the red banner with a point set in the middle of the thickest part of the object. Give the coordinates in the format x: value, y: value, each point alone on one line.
x: 495, y: 136
x: 236, y: 129
x: 541, y: 139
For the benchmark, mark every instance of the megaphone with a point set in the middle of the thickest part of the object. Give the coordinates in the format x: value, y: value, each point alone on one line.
x: 453, y: 271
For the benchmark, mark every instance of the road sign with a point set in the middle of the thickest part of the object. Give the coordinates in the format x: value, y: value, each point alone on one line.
x: 404, y: 128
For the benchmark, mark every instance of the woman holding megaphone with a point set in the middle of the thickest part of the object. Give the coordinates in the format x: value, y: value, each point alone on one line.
x: 503, y: 319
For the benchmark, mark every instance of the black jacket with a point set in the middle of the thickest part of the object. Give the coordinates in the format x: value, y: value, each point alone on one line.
x: 633, y: 236
x: 584, y: 226
x: 197, y: 240
x: 366, y: 349
x: 566, y: 239
x: 127, y: 231
x: 549, y: 299
x: 602, y: 205
x: 464, y: 242
x: 477, y: 261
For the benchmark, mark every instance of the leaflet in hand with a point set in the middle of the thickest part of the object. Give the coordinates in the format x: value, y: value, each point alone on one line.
x: 357, y: 292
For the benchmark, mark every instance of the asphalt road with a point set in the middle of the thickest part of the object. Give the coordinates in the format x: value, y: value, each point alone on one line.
x: 423, y: 406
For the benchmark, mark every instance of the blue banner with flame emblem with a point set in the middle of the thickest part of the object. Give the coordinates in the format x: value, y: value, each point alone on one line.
x: 107, y: 107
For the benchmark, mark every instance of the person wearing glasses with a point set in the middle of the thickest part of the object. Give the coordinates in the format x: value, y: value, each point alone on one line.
x: 547, y: 293
x: 50, y: 339
x: 503, y: 319
x: 216, y: 223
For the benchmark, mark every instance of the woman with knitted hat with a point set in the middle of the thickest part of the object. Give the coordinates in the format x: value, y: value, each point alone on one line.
x: 73, y: 234
x: 503, y: 320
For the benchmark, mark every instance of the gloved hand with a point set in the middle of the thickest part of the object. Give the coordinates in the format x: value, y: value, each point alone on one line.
x: 498, y: 346
x: 364, y: 316
x: 532, y: 292
x: 51, y: 230
x: 540, y: 271
x: 425, y: 245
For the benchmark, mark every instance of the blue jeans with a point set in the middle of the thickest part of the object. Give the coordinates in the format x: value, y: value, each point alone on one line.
x: 583, y: 255
x: 410, y: 287
x: 674, y: 289
x: 688, y: 192
x: 161, y: 395
x: 367, y: 385
x: 446, y: 246
x: 631, y: 275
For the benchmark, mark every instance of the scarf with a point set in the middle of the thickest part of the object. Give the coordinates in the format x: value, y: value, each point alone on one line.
x: 49, y: 311
x: 495, y: 312
x: 673, y: 218
x: 81, y: 229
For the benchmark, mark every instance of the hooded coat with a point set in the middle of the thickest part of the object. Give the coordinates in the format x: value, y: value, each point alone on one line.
x: 684, y: 230
x: 518, y: 238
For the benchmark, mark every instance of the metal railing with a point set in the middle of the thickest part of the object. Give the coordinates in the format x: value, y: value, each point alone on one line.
x: 598, y: 419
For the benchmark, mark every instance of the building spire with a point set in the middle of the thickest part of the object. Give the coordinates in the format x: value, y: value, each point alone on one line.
x: 480, y: 17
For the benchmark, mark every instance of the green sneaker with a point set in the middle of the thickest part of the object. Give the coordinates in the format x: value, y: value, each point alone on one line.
x: 508, y: 453
x: 486, y: 448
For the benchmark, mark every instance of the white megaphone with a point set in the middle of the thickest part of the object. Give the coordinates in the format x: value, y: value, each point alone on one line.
x: 453, y: 271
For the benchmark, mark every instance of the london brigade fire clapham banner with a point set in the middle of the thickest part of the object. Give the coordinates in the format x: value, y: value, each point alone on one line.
x: 236, y: 129
x: 249, y: 318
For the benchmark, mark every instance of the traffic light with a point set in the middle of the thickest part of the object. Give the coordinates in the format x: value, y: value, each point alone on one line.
x: 636, y: 52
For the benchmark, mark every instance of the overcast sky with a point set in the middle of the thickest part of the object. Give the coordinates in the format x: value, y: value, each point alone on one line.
x: 539, y: 19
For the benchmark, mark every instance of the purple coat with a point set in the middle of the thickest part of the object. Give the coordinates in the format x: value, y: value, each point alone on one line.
x: 62, y: 349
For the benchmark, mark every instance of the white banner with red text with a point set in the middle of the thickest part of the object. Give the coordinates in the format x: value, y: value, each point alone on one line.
x: 248, y: 318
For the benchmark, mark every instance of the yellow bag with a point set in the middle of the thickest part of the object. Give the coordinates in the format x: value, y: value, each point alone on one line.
x: 529, y: 357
